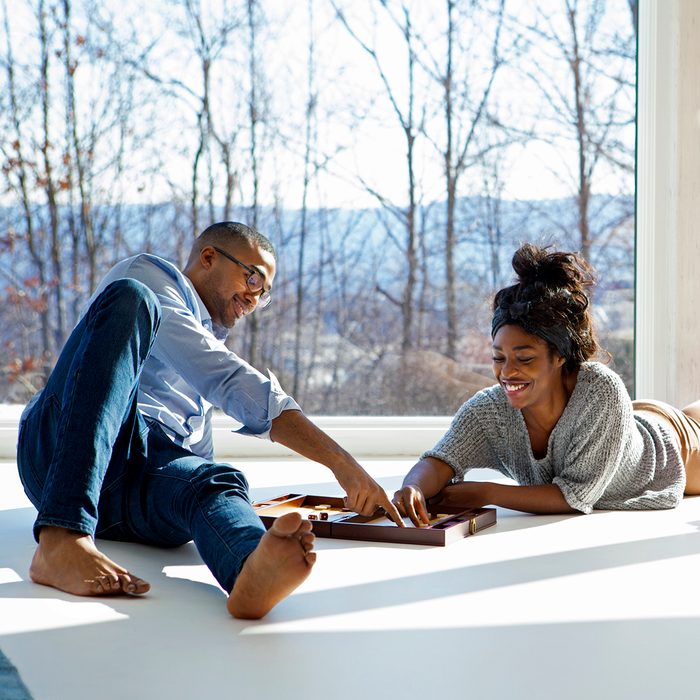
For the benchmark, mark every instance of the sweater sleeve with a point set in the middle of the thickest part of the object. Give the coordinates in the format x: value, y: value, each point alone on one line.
x: 465, y: 445
x: 602, y: 423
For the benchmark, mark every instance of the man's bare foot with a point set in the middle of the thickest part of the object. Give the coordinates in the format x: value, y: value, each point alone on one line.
x: 281, y: 561
x: 71, y: 562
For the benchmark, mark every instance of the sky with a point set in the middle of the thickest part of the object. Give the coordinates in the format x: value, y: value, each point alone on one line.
x: 359, y: 137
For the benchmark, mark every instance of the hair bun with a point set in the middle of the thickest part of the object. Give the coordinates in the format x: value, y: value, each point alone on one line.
x: 536, y: 267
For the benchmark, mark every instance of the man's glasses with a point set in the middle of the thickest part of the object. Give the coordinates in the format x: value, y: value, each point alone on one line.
x: 255, y: 280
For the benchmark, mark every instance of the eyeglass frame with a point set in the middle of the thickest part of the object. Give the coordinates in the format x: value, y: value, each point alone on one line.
x: 265, y: 298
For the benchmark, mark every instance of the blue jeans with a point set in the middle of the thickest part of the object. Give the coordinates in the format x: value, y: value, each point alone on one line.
x: 90, y: 462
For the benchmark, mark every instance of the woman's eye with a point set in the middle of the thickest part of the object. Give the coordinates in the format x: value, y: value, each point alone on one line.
x: 520, y: 360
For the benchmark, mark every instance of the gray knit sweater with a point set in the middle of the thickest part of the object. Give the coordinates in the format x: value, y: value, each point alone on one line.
x: 600, y: 454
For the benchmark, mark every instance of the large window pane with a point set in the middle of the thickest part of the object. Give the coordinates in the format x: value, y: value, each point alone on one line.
x: 395, y: 152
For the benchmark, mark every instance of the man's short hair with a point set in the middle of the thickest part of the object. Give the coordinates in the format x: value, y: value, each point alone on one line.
x: 225, y: 232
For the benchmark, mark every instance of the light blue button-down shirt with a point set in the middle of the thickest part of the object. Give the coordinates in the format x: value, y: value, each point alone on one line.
x: 190, y: 370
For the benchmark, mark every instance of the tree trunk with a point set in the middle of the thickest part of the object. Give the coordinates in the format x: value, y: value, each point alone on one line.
x: 49, y: 183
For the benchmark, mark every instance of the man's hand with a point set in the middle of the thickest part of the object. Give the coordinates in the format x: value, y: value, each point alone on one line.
x: 364, y: 494
x: 295, y: 431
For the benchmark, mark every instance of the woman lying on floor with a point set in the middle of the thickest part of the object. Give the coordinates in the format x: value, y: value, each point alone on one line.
x: 563, y: 427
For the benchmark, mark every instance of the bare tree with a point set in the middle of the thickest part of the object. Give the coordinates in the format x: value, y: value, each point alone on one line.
x: 48, y: 178
x: 592, y: 109
x: 254, y: 118
x: 411, y: 126
x: 208, y: 47
x: 464, y: 115
x: 309, y: 134
x: 19, y: 171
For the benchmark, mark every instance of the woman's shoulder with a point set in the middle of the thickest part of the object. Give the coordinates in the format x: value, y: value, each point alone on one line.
x: 598, y: 372
x: 485, y: 418
x: 490, y: 396
x: 598, y: 379
x: 487, y: 401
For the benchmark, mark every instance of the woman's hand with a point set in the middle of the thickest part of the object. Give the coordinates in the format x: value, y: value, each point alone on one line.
x: 410, y: 502
x: 426, y: 478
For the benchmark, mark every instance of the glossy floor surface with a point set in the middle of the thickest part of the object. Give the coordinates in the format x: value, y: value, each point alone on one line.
x: 605, y: 606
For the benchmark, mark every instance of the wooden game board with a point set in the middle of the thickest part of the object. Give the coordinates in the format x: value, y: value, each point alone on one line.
x: 330, y: 518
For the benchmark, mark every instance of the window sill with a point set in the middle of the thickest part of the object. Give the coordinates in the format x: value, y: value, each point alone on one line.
x: 362, y: 436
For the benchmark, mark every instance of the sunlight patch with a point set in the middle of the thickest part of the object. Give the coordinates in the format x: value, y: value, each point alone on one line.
x: 18, y: 615
x: 9, y: 576
x: 198, y: 572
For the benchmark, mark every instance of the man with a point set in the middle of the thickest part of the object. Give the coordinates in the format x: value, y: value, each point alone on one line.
x: 119, y: 443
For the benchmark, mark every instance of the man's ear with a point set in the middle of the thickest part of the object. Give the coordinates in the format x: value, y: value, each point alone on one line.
x: 206, y: 257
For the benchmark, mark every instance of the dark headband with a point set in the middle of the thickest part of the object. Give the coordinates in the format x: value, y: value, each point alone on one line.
x: 518, y: 314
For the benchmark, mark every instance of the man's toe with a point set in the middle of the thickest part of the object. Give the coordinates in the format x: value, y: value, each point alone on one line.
x: 133, y: 585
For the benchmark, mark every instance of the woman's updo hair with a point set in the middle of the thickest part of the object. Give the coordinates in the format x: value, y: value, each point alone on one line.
x: 550, y: 300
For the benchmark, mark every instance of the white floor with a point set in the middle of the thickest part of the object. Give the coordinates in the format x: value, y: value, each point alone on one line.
x: 605, y: 606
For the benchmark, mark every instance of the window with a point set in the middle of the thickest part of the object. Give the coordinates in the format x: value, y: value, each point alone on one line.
x: 396, y: 153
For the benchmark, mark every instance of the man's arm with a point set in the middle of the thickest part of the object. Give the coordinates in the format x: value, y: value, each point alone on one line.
x: 295, y: 431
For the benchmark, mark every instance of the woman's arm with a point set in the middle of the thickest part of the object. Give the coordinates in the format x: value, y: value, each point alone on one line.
x: 594, y: 439
x: 429, y: 477
x: 540, y: 499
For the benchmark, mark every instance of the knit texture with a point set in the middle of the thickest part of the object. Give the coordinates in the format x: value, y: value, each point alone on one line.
x: 600, y: 454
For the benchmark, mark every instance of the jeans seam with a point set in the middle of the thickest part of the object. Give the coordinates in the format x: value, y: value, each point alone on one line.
x: 58, y: 455
x: 98, y: 533
x: 64, y: 420
x: 51, y: 403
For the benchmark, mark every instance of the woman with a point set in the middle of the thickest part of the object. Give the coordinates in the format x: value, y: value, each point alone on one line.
x: 563, y: 427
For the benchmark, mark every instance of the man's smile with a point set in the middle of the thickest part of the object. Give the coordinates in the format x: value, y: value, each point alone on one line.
x: 239, y: 308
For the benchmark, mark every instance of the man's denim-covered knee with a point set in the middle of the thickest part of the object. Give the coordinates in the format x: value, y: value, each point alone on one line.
x: 128, y: 297
x: 190, y: 498
x: 216, y: 477
x: 83, y: 420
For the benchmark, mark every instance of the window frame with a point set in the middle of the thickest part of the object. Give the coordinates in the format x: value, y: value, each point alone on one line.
x: 667, y: 334
x: 665, y: 368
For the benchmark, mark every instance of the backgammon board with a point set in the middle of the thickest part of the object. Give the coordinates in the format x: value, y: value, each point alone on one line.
x: 330, y: 518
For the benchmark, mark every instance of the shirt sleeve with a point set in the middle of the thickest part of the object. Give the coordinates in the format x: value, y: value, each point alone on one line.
x: 603, y: 426
x: 215, y: 372
x: 465, y: 445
